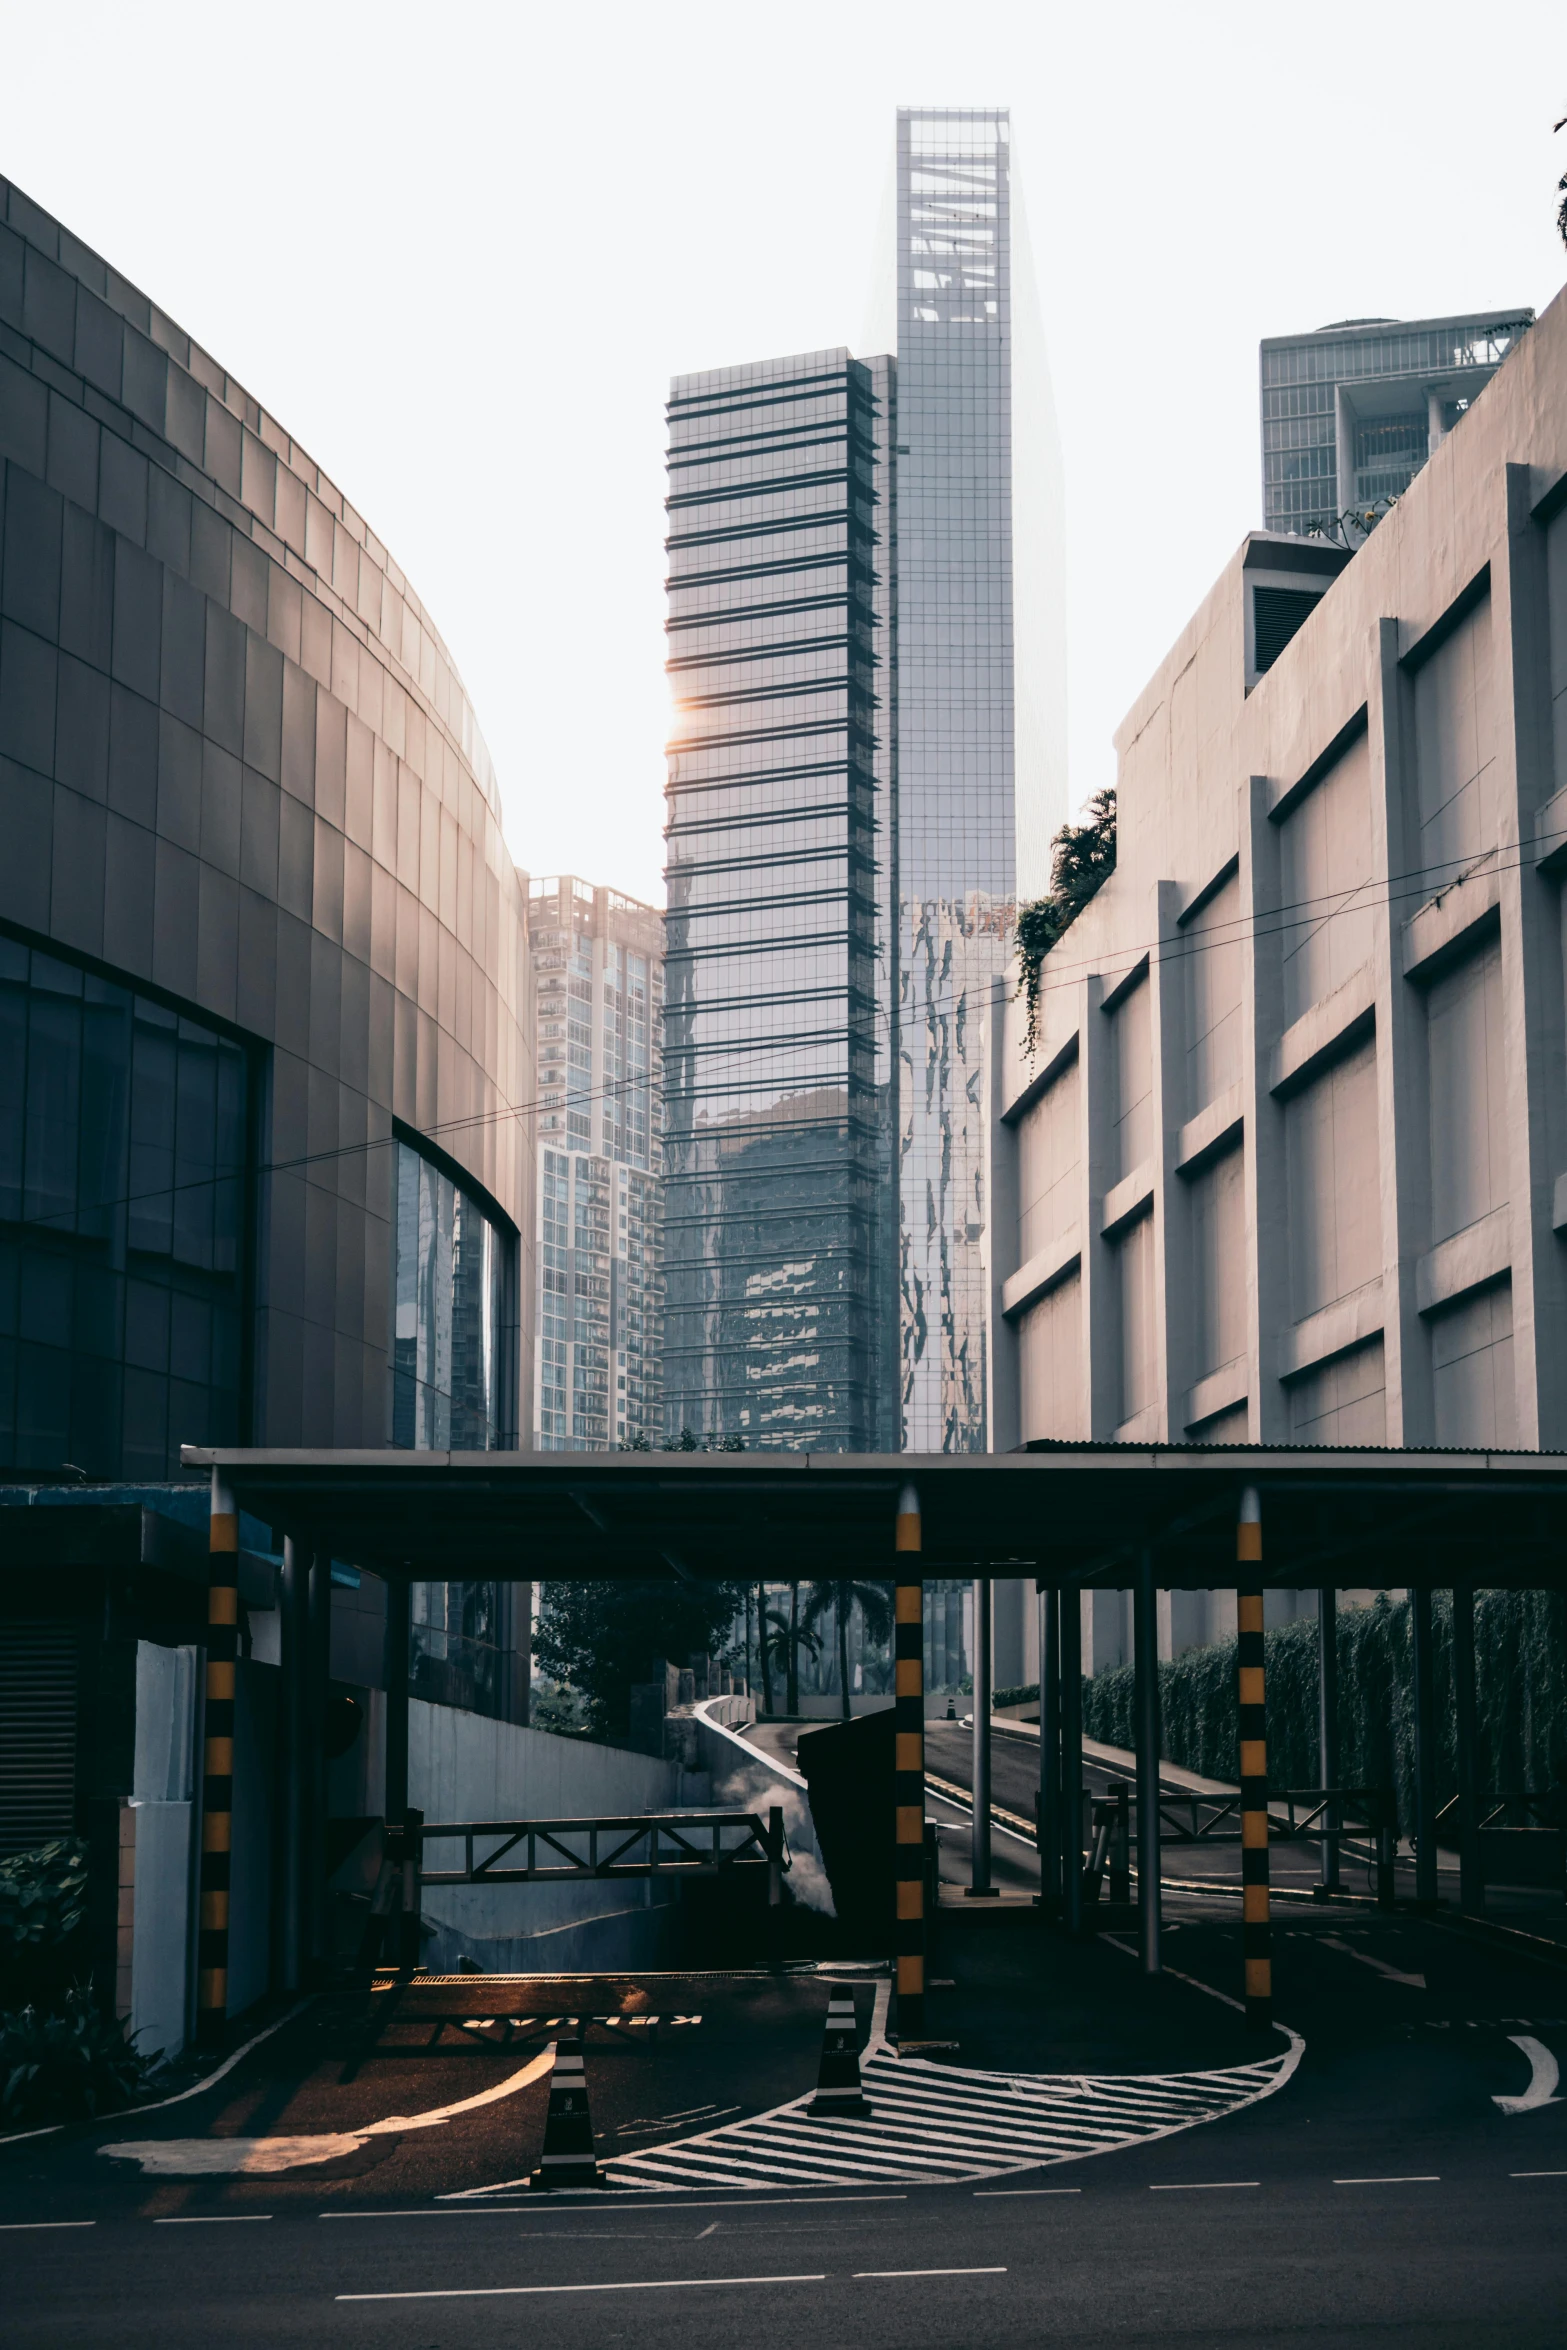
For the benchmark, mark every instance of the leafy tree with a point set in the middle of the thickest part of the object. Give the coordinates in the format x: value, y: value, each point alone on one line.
x: 1082, y: 859
x: 874, y: 1601
x: 599, y: 1638
x: 783, y: 1638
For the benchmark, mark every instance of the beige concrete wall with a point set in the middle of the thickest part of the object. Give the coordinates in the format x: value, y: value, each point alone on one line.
x: 1291, y: 1145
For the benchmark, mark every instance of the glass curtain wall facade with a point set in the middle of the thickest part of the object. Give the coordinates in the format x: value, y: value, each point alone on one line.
x: 968, y: 774
x: 780, y: 1324
x: 453, y: 1390
x: 124, y: 1225
x: 1351, y: 413
x: 598, y: 990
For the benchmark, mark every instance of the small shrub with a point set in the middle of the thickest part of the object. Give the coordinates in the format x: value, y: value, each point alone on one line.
x: 63, y: 2067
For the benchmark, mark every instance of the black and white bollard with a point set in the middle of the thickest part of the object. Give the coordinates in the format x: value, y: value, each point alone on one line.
x: 838, y: 2090
x: 568, y: 2159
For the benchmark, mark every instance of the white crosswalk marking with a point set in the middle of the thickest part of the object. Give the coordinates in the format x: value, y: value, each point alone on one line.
x: 932, y: 2122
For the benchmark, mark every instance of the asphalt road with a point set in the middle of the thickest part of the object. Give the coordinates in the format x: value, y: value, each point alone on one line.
x: 1380, y: 2196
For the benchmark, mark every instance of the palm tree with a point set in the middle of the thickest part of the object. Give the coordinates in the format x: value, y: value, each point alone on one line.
x: 783, y: 1637
x: 874, y: 1601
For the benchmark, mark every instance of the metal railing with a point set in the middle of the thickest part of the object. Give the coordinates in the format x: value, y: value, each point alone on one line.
x: 659, y: 1844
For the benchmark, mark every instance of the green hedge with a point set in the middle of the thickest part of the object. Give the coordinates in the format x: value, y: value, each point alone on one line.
x: 1521, y: 1694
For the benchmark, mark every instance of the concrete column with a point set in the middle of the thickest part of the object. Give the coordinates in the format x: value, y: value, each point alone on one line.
x: 1268, y: 1310
x: 1172, y: 1312
x: 1072, y: 1762
x: 1425, y: 1747
x: 1534, y: 1000
x: 1327, y: 1721
x: 1145, y: 1640
x: 1471, y: 1873
x: 1101, y: 1304
x: 980, y: 1887
x: 1403, y: 1089
x: 1050, y: 1747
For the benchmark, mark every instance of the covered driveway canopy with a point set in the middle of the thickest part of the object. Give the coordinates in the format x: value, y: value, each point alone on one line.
x: 1068, y: 1514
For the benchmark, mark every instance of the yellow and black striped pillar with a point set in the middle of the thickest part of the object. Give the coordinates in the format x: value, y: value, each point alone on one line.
x: 1256, y: 1930
x: 217, y: 1790
x: 908, y: 1728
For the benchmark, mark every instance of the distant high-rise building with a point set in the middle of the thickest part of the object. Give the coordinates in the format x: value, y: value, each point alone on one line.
x: 777, y: 1063
x: 598, y: 987
x: 866, y: 644
x: 1352, y: 412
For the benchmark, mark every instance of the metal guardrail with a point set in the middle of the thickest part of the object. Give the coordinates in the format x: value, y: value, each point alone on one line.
x: 659, y: 1844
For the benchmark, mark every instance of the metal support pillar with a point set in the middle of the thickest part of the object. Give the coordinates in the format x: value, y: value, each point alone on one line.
x: 1471, y: 1873
x: 399, y: 1606
x: 1327, y: 1724
x: 1251, y: 1697
x: 318, y: 1804
x: 1425, y: 1747
x: 217, y: 1790
x: 908, y: 1727
x: 979, y: 1887
x: 294, y: 1764
x: 1072, y: 1761
x: 1145, y: 1644
x: 1049, y: 1812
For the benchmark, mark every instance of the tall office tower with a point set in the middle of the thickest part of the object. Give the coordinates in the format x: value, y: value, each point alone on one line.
x: 981, y: 702
x: 866, y: 644
x: 598, y: 993
x: 1351, y: 413
x: 777, y: 1062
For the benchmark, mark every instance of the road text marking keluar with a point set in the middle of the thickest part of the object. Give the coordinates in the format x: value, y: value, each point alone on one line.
x: 641, y: 2285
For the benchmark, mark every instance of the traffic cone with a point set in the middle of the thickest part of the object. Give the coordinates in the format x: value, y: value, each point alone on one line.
x: 838, y: 2090
x: 567, y: 2159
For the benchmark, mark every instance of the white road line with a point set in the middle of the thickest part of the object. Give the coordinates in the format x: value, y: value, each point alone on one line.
x: 1411, y: 2179
x: 1380, y: 1965
x: 213, y: 2219
x: 998, y: 2194
x: 930, y: 2272
x: 1201, y: 2186
x: 18, y: 2227
x: 1512, y: 2174
x: 641, y: 2285
x: 1544, y: 2075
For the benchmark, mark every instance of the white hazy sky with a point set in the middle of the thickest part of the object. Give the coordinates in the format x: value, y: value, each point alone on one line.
x: 459, y: 252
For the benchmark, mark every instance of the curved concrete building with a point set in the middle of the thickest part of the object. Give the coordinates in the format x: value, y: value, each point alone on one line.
x: 265, y: 1156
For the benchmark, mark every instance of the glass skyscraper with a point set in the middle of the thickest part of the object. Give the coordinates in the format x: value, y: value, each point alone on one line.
x: 777, y: 1077
x: 866, y: 624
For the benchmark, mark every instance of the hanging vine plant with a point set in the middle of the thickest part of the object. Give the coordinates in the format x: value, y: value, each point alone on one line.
x: 1082, y: 859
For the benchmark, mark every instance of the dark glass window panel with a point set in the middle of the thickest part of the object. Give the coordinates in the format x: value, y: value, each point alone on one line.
x: 123, y: 1139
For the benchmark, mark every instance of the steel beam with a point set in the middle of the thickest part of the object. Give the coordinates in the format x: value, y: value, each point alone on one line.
x: 1425, y: 1747
x: 1071, y: 1762
x: 1471, y: 1873
x: 1145, y: 1645
x: 1049, y: 1806
x: 979, y: 1886
x: 1327, y: 1723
